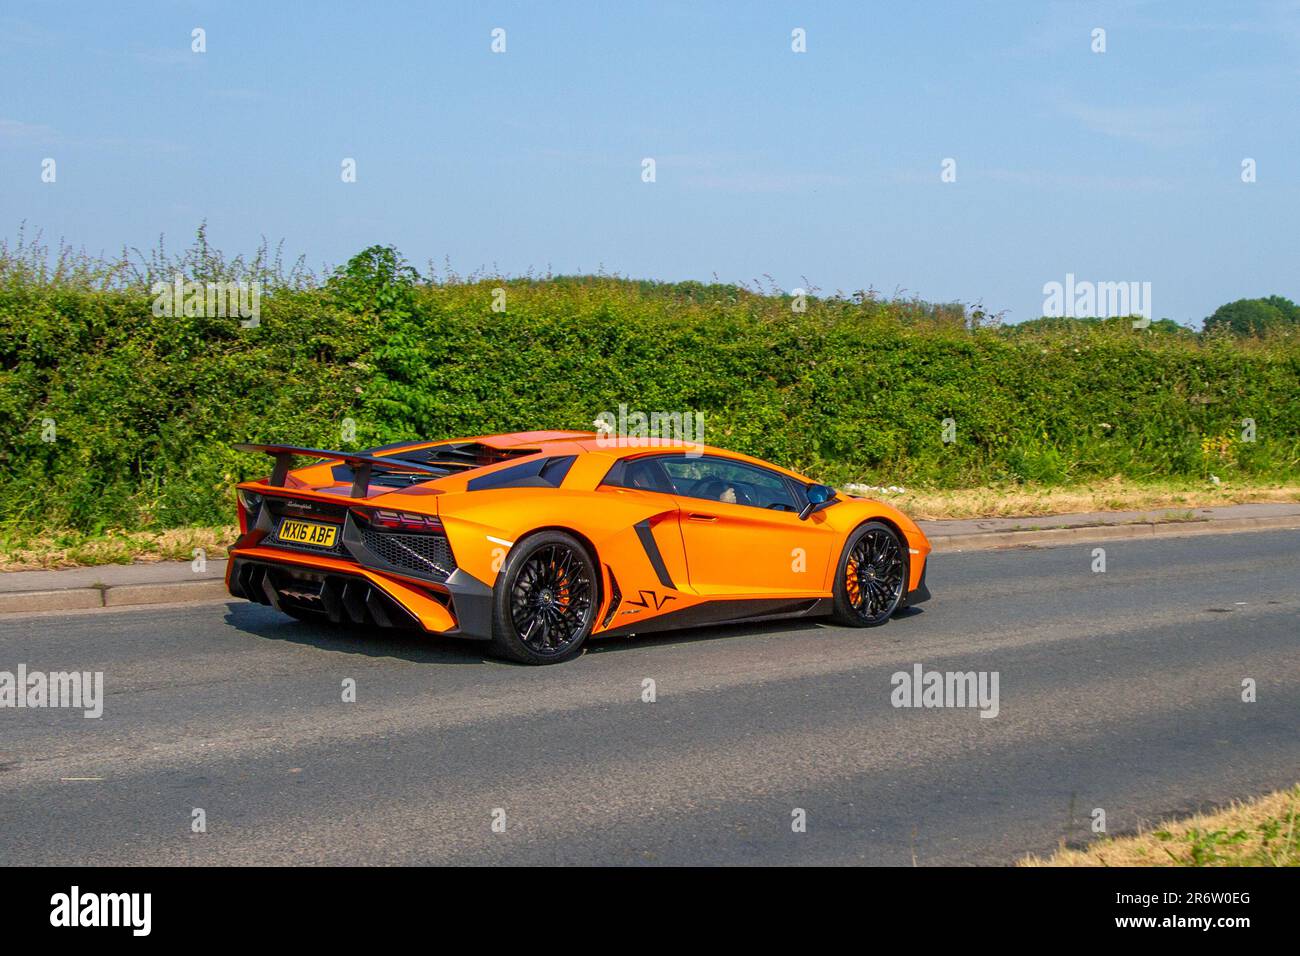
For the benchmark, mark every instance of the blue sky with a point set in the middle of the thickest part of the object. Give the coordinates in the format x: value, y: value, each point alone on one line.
x: 825, y: 165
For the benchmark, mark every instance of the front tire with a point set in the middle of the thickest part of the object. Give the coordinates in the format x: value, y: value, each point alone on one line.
x: 544, y: 600
x: 871, y: 577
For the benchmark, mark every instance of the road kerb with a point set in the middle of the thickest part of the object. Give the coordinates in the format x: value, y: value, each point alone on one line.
x: 169, y: 593
x: 991, y: 540
x: 64, y: 599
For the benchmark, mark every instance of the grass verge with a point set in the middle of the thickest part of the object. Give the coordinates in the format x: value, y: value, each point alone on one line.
x: 1263, y: 832
x: 71, y: 549
x: 1114, y: 494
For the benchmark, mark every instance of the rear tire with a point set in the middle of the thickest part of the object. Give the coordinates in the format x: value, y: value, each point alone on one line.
x: 871, y: 577
x: 544, y: 601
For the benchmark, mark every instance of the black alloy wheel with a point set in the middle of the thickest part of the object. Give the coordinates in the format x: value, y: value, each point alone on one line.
x: 871, y: 578
x: 545, y: 600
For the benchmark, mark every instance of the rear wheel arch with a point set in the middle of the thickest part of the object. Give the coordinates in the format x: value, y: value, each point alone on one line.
x: 582, y: 540
x: 532, y: 590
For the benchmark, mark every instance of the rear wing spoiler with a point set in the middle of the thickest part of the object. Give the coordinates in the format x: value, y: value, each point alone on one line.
x: 360, y: 463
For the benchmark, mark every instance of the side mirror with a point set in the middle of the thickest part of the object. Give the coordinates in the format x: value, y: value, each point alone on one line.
x: 820, y: 497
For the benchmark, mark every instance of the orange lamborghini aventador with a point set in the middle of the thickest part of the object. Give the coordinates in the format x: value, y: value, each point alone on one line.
x: 535, y: 541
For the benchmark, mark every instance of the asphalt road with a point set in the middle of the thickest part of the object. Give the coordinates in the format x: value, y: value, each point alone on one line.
x: 1119, y: 690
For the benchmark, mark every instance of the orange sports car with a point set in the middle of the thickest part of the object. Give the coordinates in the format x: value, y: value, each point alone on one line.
x: 535, y: 541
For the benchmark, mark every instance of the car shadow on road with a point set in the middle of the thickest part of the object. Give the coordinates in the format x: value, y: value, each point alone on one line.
x: 739, y: 629
x: 405, y: 645
x: 422, y: 648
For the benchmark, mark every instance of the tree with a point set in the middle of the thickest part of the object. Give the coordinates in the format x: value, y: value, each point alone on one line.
x: 1255, y: 316
x: 376, y: 280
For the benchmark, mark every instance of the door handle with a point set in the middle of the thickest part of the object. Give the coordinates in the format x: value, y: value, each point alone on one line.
x: 697, y: 516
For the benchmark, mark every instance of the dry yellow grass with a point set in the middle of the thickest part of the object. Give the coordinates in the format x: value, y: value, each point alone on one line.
x: 1014, y: 501
x: 1263, y: 832
x: 70, y: 550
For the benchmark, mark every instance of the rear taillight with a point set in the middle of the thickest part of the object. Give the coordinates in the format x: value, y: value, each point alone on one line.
x: 401, y: 521
x: 250, y: 505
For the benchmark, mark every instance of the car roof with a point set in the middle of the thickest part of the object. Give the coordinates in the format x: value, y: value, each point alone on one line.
x: 617, y: 446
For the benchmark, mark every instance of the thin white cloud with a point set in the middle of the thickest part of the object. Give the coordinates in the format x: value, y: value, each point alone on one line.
x: 1080, y: 181
x: 16, y: 129
x: 170, y: 56
x: 763, y: 182
x: 1154, y: 125
x: 19, y: 131
x: 1040, y: 179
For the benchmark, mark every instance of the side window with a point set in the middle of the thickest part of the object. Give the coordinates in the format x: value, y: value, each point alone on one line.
x: 729, y: 482
x: 644, y: 474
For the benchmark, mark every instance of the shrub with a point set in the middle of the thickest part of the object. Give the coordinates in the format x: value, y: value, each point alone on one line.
x: 145, y: 409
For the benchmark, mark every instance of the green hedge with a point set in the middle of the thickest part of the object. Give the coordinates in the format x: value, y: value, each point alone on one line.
x: 145, y: 408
